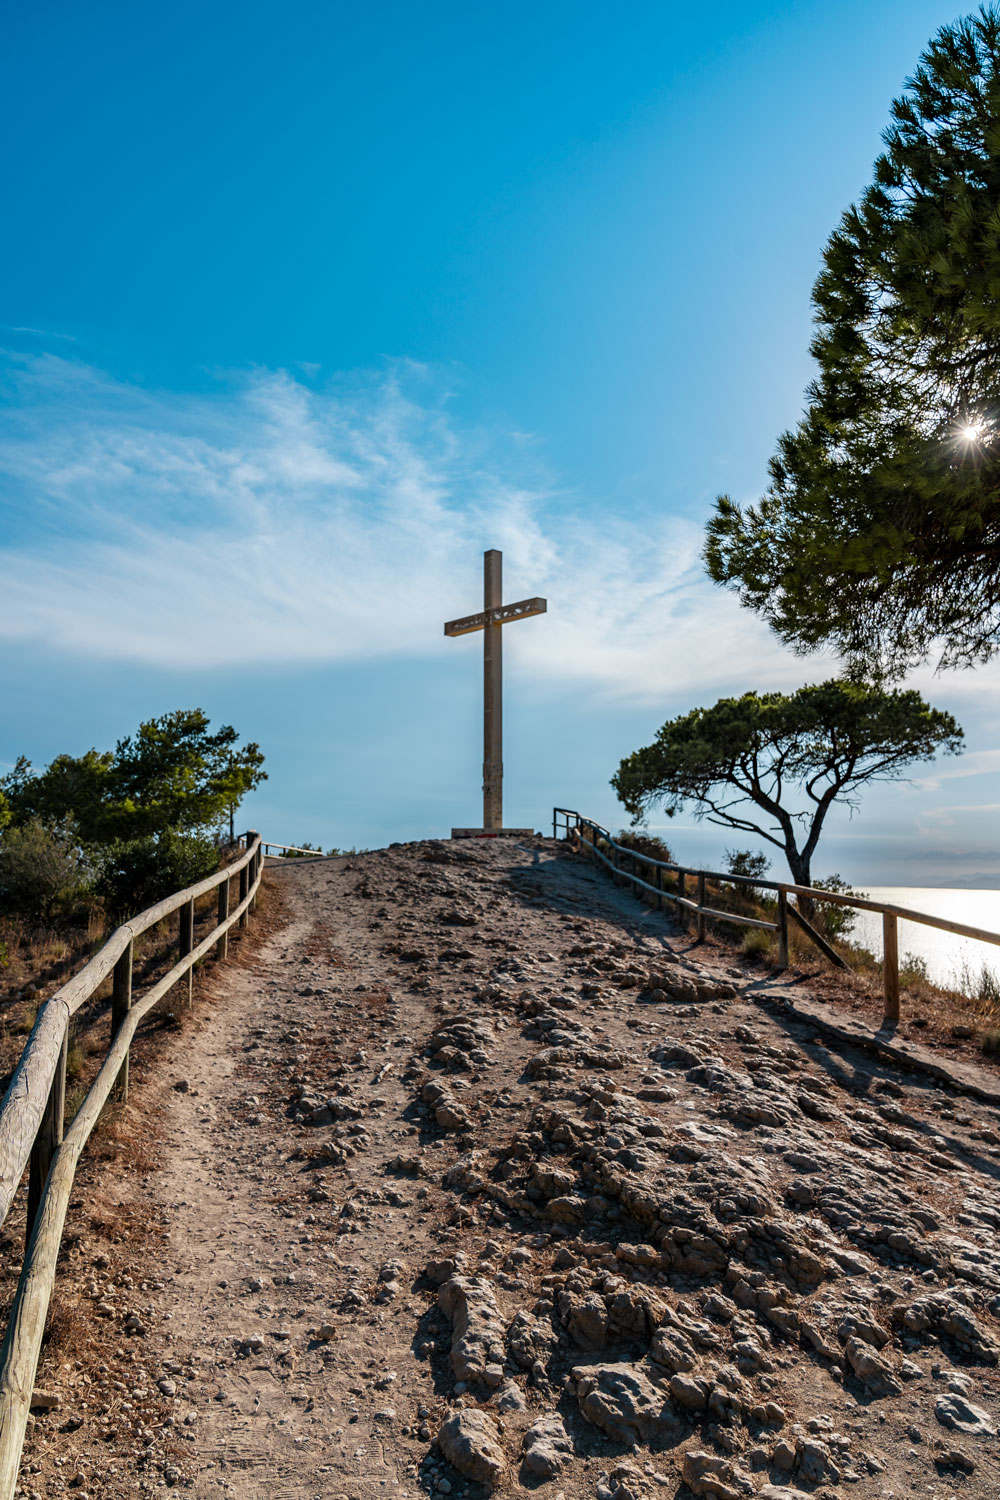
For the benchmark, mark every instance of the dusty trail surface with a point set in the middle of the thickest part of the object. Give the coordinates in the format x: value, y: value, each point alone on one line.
x: 481, y: 1180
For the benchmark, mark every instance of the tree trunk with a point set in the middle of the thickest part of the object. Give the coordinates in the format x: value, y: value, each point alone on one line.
x: 799, y: 865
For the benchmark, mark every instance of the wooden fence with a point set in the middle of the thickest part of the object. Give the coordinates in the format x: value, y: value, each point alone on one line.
x: 32, y: 1111
x: 292, y: 849
x: 601, y: 847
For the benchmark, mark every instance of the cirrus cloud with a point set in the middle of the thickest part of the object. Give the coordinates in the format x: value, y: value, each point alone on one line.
x: 275, y: 519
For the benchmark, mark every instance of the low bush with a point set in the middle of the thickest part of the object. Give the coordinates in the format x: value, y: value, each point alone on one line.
x: 757, y: 943
x: 836, y: 921
x: 41, y: 868
x: 913, y: 971
x: 747, y: 862
x: 136, y: 873
x: 645, y: 843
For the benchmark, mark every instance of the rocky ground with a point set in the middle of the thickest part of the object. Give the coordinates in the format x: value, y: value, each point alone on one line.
x: 482, y: 1178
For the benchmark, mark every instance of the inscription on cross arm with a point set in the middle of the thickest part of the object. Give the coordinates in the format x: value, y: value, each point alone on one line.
x: 500, y: 616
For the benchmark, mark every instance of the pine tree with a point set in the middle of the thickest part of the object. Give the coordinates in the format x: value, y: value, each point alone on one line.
x: 774, y: 764
x: 879, y: 533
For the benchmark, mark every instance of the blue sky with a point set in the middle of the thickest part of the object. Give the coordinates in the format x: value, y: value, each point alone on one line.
x: 305, y: 305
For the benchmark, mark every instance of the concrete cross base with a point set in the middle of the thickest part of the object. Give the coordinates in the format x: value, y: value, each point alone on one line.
x: 492, y: 833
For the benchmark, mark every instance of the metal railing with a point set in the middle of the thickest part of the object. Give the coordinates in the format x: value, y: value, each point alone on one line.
x: 601, y: 847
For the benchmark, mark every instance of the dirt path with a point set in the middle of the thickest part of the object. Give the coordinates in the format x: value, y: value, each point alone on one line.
x: 478, y: 1144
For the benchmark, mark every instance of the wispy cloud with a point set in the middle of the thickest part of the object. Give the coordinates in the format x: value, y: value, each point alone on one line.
x: 271, y: 520
x: 40, y: 333
x: 979, y: 763
x: 959, y: 815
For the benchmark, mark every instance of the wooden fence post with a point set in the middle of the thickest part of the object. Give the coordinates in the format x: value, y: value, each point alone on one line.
x: 222, y: 912
x: 701, y: 903
x: 244, y: 887
x: 186, y: 941
x: 659, y: 887
x: 890, y: 965
x: 255, y: 865
x: 48, y: 1139
x: 121, y: 1004
x: 681, y: 893
x: 782, y: 930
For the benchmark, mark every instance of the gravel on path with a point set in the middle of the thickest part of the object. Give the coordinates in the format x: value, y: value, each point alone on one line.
x: 479, y: 1179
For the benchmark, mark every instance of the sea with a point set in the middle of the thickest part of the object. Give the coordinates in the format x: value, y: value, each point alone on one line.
x: 951, y: 960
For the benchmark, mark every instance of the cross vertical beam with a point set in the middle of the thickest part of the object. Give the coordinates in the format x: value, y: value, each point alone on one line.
x: 492, y: 693
x: 494, y: 617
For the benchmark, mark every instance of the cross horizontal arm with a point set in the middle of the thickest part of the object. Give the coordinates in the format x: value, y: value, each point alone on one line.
x: 502, y: 616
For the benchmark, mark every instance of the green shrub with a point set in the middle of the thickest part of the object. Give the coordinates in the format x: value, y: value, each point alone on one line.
x: 913, y: 970
x: 836, y: 921
x: 757, y: 943
x: 991, y: 1043
x: 754, y: 865
x: 40, y: 868
x: 136, y: 873
x: 645, y: 843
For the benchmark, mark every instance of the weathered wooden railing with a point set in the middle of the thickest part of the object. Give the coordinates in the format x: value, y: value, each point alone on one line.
x: 31, y: 1114
x: 292, y: 849
x: 600, y: 846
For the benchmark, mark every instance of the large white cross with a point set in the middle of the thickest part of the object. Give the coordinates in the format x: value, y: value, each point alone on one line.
x: 495, y: 615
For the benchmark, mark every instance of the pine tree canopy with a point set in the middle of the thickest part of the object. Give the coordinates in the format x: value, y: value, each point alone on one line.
x: 879, y: 532
x: 773, y: 764
x: 174, y: 775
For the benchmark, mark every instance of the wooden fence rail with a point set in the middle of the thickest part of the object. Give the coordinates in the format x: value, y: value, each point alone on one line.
x: 31, y: 1115
x: 601, y: 847
x: 292, y: 849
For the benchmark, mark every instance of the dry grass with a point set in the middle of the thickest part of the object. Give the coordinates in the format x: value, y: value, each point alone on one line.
x: 963, y: 1020
x: 22, y: 1026
x: 42, y: 958
x: 759, y: 944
